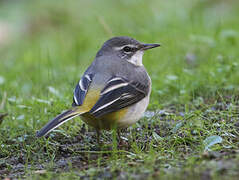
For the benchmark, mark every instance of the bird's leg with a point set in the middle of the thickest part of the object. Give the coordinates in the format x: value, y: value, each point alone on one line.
x: 98, y: 137
x: 122, y: 142
x: 118, y: 134
x: 119, y: 137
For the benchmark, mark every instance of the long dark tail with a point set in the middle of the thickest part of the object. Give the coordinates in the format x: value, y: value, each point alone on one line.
x: 57, y: 121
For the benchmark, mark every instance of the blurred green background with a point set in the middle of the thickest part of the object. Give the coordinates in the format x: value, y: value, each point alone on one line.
x: 47, y: 43
x: 45, y: 46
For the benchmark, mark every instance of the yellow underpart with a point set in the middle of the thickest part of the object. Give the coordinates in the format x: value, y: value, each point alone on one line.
x: 91, y: 98
x: 107, y: 121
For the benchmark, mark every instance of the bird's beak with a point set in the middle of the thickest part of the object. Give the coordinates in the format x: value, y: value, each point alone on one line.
x: 149, y: 46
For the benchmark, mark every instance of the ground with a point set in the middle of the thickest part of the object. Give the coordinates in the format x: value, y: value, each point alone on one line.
x: 191, y: 127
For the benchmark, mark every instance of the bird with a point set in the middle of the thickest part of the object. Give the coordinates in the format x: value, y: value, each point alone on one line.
x: 114, y: 91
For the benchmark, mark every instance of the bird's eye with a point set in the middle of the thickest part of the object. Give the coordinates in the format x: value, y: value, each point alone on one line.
x: 127, y: 49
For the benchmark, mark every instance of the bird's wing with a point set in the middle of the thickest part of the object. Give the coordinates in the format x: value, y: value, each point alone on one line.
x: 117, y: 94
x: 82, y: 89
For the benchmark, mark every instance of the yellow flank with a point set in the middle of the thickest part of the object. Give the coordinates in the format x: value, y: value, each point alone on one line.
x: 107, y: 121
x: 91, y: 98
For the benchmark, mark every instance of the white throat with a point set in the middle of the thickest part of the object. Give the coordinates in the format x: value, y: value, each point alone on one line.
x: 136, y: 59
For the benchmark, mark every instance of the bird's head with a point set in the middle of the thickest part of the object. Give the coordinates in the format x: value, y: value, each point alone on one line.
x: 126, y: 48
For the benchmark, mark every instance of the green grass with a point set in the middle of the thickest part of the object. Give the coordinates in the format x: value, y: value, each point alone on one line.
x: 191, y: 128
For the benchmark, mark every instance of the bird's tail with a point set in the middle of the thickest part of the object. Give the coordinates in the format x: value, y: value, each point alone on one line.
x: 58, y: 120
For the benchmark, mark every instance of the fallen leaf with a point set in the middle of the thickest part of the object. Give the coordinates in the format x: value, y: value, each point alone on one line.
x: 177, y: 127
x: 42, y: 171
x: 156, y: 136
x: 172, y: 77
x: 2, y: 79
x: 211, y: 140
x: 20, y: 117
x: 54, y: 91
x: 41, y: 100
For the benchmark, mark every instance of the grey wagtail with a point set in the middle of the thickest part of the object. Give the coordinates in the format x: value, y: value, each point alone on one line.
x: 114, y: 90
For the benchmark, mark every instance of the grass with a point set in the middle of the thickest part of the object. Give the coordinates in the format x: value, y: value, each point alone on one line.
x: 191, y: 127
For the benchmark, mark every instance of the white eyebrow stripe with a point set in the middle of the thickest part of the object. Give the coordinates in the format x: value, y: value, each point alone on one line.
x: 111, y: 88
x: 121, y: 47
x: 107, y: 104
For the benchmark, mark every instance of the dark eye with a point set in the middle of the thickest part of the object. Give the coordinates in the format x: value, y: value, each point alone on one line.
x: 127, y: 49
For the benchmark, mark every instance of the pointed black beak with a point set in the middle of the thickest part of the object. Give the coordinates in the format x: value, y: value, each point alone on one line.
x: 149, y: 46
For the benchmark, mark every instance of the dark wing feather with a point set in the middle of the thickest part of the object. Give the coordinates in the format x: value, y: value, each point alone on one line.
x: 117, y: 94
x: 81, y: 89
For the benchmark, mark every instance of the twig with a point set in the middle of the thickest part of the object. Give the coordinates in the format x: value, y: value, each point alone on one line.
x: 3, y: 100
x: 2, y: 116
x: 103, y: 152
x: 105, y: 26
